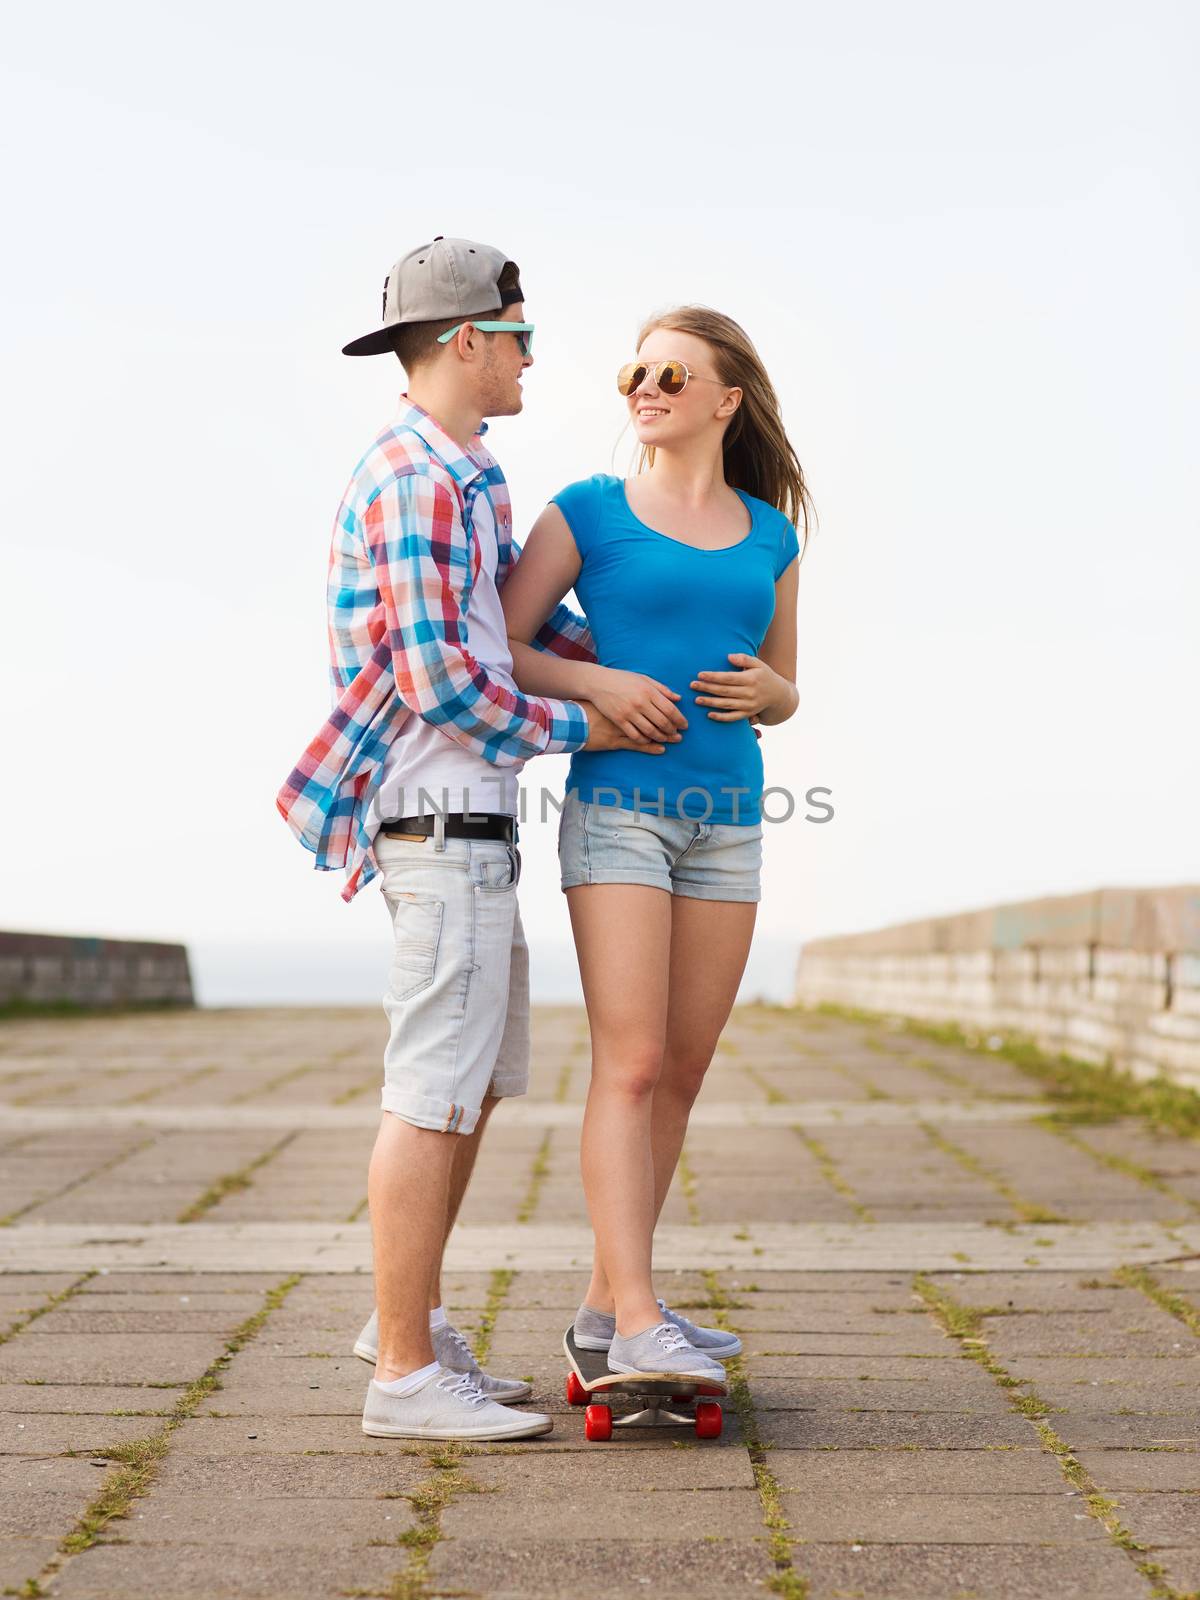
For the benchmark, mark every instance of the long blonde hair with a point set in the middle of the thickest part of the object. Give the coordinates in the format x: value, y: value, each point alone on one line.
x: 759, y: 457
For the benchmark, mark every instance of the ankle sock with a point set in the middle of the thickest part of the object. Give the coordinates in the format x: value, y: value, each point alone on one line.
x: 438, y: 1319
x: 411, y: 1381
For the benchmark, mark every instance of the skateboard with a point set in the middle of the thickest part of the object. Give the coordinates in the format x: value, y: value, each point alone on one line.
x: 668, y: 1400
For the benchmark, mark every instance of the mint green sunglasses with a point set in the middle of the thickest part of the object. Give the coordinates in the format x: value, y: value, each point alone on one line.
x: 523, y: 330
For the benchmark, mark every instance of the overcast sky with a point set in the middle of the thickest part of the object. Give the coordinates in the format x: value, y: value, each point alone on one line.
x: 964, y: 239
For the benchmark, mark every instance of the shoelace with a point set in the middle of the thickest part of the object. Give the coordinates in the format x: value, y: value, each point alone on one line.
x: 459, y: 1385
x: 670, y: 1338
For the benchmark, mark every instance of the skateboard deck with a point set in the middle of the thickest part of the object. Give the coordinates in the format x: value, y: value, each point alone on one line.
x: 671, y: 1401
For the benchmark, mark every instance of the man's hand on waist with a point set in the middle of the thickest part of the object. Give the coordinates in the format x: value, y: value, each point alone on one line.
x: 603, y: 734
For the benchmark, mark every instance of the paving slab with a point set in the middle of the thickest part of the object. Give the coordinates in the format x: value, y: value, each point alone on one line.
x: 981, y: 1572
x: 53, y: 1434
x: 230, y: 1521
x: 196, y: 1572
x: 990, y: 1474
x: 596, y: 1472
x: 1161, y: 1519
x: 87, y: 1399
x: 674, y: 1514
x: 22, y: 1558
x: 1115, y: 1430
x: 1134, y: 1470
x: 888, y: 1518
x: 1139, y: 1331
x: 114, y: 1358
x: 888, y: 1430
x: 600, y: 1568
x: 1183, y: 1565
x: 963, y: 1392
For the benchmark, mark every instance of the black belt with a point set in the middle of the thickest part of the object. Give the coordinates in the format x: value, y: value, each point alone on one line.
x: 492, y: 825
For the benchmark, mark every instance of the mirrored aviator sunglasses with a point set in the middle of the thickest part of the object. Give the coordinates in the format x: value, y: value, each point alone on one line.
x: 669, y: 376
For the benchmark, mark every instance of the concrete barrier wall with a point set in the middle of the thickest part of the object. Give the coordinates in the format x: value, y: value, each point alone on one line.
x: 1112, y: 975
x: 46, y: 969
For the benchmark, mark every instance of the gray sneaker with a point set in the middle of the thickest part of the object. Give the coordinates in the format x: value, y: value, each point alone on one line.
x: 718, y: 1343
x: 456, y: 1355
x: 662, y: 1351
x: 446, y: 1406
x: 594, y: 1330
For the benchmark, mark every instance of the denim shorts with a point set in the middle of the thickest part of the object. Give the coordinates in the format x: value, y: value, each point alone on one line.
x: 701, y: 860
x: 457, y: 1000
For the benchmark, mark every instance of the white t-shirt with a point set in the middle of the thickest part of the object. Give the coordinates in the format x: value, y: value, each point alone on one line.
x: 422, y: 757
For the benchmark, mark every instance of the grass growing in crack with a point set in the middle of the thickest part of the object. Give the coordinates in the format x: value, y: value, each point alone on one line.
x: 946, y: 1075
x: 231, y: 1182
x: 538, y: 1173
x: 1026, y: 1211
x: 829, y: 1171
x: 687, y: 1183
x: 138, y: 1460
x: 143, y: 1097
x: 354, y: 1091
x: 965, y: 1324
x: 276, y: 1082
x: 563, y: 1087
x: 773, y: 1096
x: 75, y: 1183
x: 49, y: 1304
x: 786, y: 1580
x: 1087, y: 1092
x: 501, y: 1283
x: 1117, y: 1163
x: 1177, y: 1305
x: 428, y: 1500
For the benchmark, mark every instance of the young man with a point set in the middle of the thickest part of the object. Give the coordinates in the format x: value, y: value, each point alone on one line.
x: 414, y: 778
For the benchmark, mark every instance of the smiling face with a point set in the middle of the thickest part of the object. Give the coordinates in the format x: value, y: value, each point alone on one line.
x: 503, y: 363
x: 705, y: 404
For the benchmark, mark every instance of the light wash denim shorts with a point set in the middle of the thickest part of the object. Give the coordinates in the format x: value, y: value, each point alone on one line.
x: 701, y: 860
x: 457, y: 1000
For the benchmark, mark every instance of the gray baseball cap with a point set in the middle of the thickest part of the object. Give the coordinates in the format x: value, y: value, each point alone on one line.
x: 446, y: 278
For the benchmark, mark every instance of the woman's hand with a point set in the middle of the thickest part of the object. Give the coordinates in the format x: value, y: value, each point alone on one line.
x: 641, y: 707
x: 755, y: 690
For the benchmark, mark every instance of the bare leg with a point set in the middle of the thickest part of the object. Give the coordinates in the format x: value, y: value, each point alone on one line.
x: 710, y: 943
x: 466, y: 1148
x: 408, y: 1193
x: 623, y: 937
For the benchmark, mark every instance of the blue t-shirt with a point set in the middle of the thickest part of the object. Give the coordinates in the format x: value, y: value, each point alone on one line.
x: 665, y: 608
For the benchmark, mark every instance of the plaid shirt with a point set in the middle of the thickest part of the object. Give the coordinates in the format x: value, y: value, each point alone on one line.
x: 401, y: 568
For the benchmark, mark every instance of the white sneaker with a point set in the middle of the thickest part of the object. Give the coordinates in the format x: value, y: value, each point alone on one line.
x: 455, y: 1354
x: 446, y: 1406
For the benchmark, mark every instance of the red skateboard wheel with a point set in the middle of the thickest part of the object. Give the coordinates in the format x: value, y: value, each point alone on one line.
x: 598, y: 1422
x: 708, y: 1420
x: 577, y: 1395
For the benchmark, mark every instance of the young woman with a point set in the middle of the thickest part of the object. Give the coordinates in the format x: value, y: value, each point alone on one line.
x: 688, y: 573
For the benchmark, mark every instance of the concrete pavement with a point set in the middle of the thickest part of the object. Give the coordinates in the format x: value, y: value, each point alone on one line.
x: 971, y: 1329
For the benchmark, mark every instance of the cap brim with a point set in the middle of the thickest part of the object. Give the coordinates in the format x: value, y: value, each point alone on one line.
x: 378, y: 343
